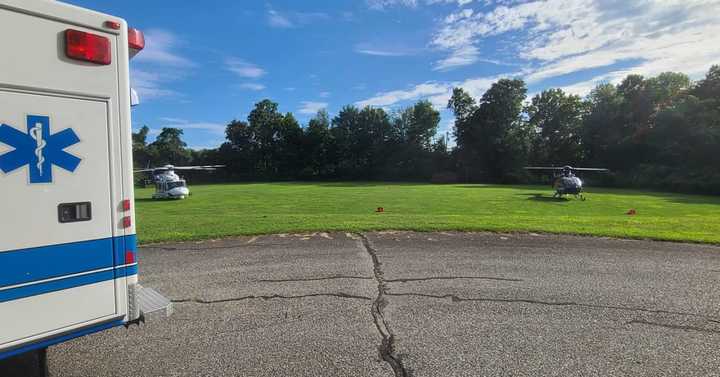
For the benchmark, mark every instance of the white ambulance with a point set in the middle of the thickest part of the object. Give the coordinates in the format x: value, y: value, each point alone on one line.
x: 68, y: 257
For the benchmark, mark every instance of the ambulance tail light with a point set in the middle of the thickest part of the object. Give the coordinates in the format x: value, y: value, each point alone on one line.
x: 129, y: 257
x: 88, y: 47
x: 136, y: 41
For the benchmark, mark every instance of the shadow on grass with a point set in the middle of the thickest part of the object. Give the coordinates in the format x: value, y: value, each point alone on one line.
x: 362, y: 184
x: 536, y: 196
x: 148, y: 200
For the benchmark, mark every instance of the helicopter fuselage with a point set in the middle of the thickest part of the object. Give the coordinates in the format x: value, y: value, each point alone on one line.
x: 568, y: 185
x: 168, y: 185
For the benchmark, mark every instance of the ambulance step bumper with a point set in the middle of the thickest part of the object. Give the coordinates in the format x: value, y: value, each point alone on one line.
x: 150, y: 301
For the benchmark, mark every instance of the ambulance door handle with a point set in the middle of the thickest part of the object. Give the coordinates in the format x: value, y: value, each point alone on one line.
x: 74, y: 212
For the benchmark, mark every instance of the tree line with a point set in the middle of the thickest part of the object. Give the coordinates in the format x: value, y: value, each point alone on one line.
x: 655, y: 132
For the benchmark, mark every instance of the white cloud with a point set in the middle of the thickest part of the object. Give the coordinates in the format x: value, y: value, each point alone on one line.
x: 309, y: 107
x: 213, y: 128
x: 276, y: 19
x: 160, y: 48
x: 424, y: 90
x: 173, y: 120
x: 382, y: 4
x: 158, y: 65
x: 379, y: 52
x: 462, y: 56
x: 151, y: 84
x: 558, y: 37
x: 286, y: 20
x: 438, y: 93
x: 243, y: 68
x: 252, y: 86
x: 458, y: 2
x: 324, y: 94
x: 211, y: 145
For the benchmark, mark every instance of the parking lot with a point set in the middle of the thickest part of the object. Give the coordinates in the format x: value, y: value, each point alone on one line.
x: 418, y: 304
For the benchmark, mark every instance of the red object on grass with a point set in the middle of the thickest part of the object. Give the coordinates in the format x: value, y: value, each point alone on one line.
x: 380, y: 209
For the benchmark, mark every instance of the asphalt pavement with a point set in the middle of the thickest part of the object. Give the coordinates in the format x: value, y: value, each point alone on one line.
x: 418, y: 304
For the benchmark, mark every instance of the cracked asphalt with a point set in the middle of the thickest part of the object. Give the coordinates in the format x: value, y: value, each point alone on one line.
x: 418, y: 304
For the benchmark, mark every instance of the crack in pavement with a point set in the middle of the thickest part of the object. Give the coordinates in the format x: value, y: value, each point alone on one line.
x: 267, y: 297
x: 456, y: 298
x: 450, y: 278
x: 387, y: 347
x: 315, y: 279
x: 670, y: 326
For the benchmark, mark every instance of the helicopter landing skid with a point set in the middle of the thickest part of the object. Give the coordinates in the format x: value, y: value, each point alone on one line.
x: 560, y: 195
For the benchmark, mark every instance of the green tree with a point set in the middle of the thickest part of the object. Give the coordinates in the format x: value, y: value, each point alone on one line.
x: 361, y: 137
x: 318, y: 147
x: 494, y: 140
x: 265, y: 124
x: 141, y: 155
x: 239, y: 152
x: 602, y: 130
x: 556, y: 120
x: 461, y: 104
x: 417, y: 125
x: 409, y: 150
x: 288, y: 151
x: 170, y: 148
x: 709, y: 87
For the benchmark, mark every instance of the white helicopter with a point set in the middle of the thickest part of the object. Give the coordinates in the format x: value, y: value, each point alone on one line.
x: 169, y: 185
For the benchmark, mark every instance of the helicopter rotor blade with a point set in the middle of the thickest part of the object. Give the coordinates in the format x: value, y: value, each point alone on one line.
x: 204, y: 167
x: 542, y: 168
x: 591, y: 169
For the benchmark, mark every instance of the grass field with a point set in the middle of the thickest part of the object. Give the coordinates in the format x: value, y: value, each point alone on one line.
x: 215, y: 211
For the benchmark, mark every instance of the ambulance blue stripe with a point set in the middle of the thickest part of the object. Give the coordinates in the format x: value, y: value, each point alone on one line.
x: 127, y: 271
x: 60, y: 339
x: 66, y: 283
x: 123, y: 244
x: 47, y: 262
x: 55, y: 285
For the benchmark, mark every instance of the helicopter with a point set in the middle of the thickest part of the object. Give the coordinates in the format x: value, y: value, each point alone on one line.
x: 168, y: 185
x: 565, y: 181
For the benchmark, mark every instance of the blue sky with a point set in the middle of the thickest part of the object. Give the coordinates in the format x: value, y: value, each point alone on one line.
x: 208, y: 62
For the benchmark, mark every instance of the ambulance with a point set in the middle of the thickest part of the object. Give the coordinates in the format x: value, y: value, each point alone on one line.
x: 68, y: 250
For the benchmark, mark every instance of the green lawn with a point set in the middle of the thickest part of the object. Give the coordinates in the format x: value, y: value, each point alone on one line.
x: 215, y: 211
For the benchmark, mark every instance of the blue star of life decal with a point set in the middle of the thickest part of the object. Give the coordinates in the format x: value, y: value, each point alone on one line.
x: 38, y: 149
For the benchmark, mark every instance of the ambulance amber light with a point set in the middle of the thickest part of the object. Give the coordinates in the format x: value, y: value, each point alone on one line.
x: 113, y: 25
x: 87, y: 47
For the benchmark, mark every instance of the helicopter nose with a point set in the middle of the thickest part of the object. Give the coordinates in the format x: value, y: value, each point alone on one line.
x: 179, y: 191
